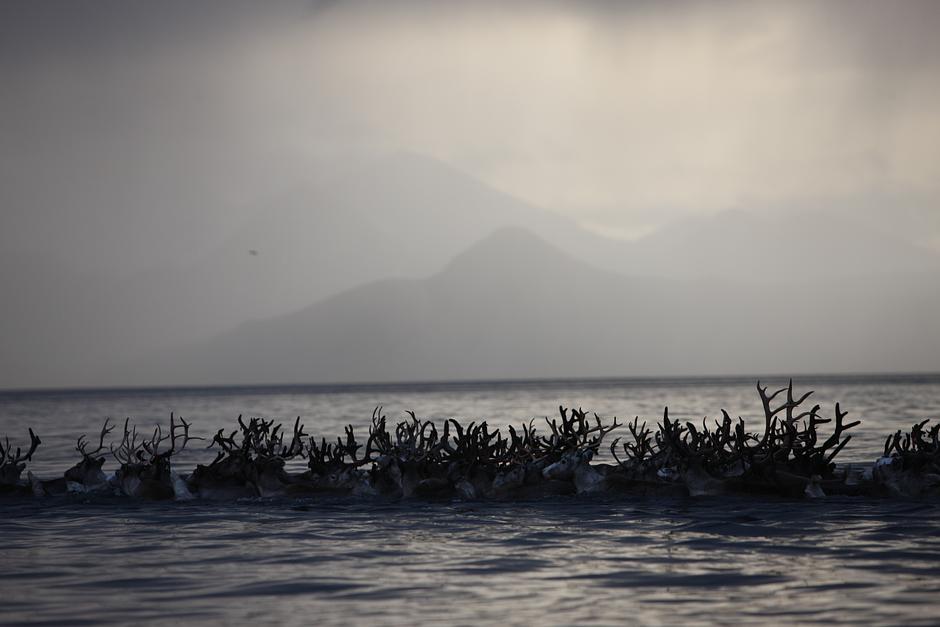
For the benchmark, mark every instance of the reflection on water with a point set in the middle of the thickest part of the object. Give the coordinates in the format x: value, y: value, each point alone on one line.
x: 577, y: 560
x: 560, y: 561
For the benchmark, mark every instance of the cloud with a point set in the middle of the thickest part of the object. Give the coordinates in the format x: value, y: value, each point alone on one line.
x: 697, y: 107
x: 623, y: 115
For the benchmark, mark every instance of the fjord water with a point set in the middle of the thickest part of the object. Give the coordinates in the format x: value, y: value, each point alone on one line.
x: 604, y: 559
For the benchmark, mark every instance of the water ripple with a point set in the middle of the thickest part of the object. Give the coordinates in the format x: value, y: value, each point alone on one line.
x: 330, y: 561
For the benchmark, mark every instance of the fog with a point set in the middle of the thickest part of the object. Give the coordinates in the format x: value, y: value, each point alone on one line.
x: 318, y: 192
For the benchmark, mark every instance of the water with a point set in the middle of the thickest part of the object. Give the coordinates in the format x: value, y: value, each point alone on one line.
x: 605, y: 560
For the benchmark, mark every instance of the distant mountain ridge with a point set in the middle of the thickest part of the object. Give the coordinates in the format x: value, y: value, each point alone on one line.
x: 513, y: 306
x: 401, y: 217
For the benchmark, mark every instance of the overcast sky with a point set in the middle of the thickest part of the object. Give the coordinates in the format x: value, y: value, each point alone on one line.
x: 146, y: 147
x: 130, y: 123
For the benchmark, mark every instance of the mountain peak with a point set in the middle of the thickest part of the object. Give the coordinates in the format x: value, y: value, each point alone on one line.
x: 512, y: 250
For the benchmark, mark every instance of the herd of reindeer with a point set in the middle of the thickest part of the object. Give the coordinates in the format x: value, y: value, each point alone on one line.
x: 419, y: 460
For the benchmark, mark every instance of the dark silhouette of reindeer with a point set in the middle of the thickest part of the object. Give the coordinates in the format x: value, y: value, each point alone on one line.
x: 13, y: 462
x: 145, y: 467
x: 420, y: 459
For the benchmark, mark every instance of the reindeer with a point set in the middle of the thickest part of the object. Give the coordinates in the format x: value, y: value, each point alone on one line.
x: 84, y: 476
x: 413, y: 463
x: 145, y: 470
x: 646, y: 464
x: 574, y: 443
x: 472, y: 459
x: 337, y: 467
x: 910, y: 466
x: 788, y: 458
x: 702, y: 458
x: 416, y: 459
x: 253, y: 466
x: 12, y: 464
x: 87, y: 473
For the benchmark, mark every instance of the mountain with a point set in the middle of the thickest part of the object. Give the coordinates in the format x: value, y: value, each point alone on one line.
x: 514, y: 306
x: 399, y: 216
x: 403, y: 216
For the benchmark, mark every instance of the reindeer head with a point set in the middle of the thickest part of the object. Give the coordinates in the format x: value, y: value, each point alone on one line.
x: 13, y: 462
x: 88, y: 472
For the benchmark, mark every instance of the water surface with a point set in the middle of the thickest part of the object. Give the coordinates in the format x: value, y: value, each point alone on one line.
x: 603, y: 560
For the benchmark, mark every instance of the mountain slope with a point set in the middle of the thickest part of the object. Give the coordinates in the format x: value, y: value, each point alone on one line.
x: 395, y: 217
x: 403, y: 216
x: 514, y: 306
x: 400, y: 217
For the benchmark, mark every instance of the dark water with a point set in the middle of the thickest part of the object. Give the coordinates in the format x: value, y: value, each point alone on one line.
x: 562, y: 561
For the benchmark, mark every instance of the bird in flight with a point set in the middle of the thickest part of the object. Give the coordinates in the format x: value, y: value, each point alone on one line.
x: 253, y: 252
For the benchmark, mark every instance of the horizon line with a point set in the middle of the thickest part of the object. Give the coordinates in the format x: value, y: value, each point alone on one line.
x: 432, y: 384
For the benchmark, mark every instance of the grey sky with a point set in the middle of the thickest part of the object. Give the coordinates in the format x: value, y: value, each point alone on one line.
x: 623, y: 116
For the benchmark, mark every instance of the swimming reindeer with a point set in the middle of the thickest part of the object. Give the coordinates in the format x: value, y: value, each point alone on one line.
x: 12, y: 464
x: 910, y: 466
x: 145, y: 467
x: 420, y: 459
x: 250, y: 466
x: 85, y: 476
x: 788, y: 458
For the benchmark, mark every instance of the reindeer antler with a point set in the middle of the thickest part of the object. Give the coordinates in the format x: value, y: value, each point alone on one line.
x: 129, y: 451
x: 152, y: 446
x: 82, y: 444
x: 8, y: 456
